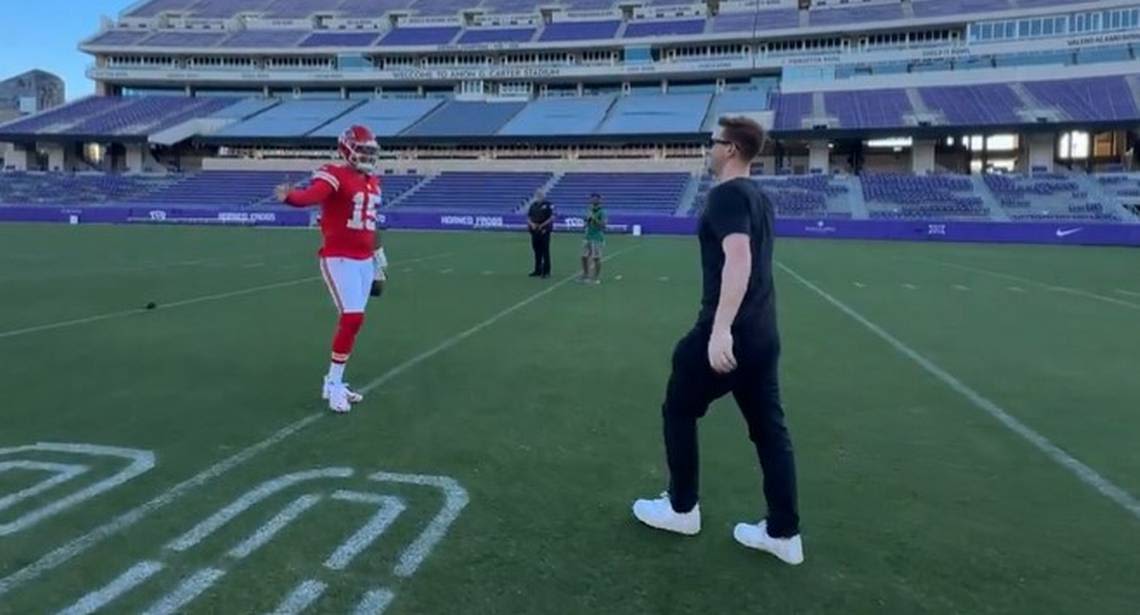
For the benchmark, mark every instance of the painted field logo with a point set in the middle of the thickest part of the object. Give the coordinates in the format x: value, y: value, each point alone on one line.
x: 65, y: 486
x: 314, y: 489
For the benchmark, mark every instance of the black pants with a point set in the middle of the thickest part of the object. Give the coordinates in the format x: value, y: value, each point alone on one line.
x: 540, y: 243
x: 694, y: 385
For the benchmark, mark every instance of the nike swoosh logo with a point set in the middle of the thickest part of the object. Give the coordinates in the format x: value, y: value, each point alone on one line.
x: 1067, y: 232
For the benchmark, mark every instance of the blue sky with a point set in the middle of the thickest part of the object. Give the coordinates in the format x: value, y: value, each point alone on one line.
x: 44, y: 34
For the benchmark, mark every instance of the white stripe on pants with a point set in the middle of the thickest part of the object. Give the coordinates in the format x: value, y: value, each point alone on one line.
x: 349, y: 281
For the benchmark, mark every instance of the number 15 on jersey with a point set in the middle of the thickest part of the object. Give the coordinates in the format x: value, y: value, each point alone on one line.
x: 364, y: 212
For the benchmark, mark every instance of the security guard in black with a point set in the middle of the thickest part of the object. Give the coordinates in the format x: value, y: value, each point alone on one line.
x: 540, y: 222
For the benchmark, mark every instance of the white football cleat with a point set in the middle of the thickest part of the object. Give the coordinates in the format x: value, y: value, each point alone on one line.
x: 353, y: 396
x: 338, y: 399
x: 755, y: 536
x: 659, y: 514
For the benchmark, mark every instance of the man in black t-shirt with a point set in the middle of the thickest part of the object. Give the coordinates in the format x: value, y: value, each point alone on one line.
x: 733, y: 348
x: 540, y: 223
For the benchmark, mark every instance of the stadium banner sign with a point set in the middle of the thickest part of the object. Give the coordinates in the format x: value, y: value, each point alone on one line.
x: 156, y: 215
x: 1064, y: 233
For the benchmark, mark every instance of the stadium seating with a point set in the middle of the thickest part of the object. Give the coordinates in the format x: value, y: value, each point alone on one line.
x: 749, y: 21
x: 1046, y: 196
x: 420, y: 36
x: 120, y: 116
x: 62, y: 117
x: 657, y: 114
x: 792, y: 110
x: 231, y: 188
x: 117, y: 38
x: 974, y: 104
x: 559, y: 116
x: 1041, y: 197
x: 143, y: 115
x: 814, y: 196
x: 340, y: 39
x: 943, y: 8
x: 496, y: 35
x: 470, y: 192
x: 646, y: 29
x: 466, y: 118
x: 75, y: 189
x: 855, y: 14
x: 265, y: 39
x: 579, y: 31
x: 386, y: 117
x: 868, y: 108
x: 622, y: 192
x: 1096, y: 99
x: 902, y: 196
x: 292, y: 118
x: 181, y: 38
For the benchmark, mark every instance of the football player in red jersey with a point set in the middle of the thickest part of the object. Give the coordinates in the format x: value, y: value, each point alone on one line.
x: 350, y: 259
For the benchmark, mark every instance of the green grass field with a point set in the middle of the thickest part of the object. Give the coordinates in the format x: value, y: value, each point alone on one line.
x: 540, y: 399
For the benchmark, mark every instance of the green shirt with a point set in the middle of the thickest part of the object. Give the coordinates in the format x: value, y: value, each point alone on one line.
x: 596, y: 224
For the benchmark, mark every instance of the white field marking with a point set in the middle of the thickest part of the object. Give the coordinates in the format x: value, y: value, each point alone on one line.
x: 267, y: 532
x: 407, y: 269
x: 374, y: 602
x: 66, y: 552
x: 62, y: 472
x: 176, y: 304
x: 663, y: 278
x: 860, y: 285
x: 446, y: 271
x: 910, y: 287
x: 219, y: 519
x: 127, y: 581
x: 1061, y: 289
x: 961, y: 288
x: 301, y: 598
x: 1016, y: 289
x: 488, y: 272
x: 388, y: 508
x: 1127, y: 292
x: 455, y: 499
x: 618, y: 277
x: 252, y: 265
x: 186, y: 592
x: 1083, y: 472
x: 140, y: 463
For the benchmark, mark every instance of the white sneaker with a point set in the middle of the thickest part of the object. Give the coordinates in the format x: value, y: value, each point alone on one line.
x: 353, y: 396
x: 659, y: 514
x: 755, y: 536
x: 338, y: 399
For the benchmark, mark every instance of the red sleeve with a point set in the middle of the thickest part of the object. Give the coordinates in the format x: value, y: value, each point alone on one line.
x: 315, y: 194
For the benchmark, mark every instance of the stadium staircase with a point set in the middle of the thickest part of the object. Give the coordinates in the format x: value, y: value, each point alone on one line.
x: 997, y: 212
x: 409, y: 192
x: 689, y: 197
x: 1098, y: 194
x: 855, y: 198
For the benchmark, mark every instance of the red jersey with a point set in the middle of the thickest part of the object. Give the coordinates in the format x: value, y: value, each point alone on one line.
x: 349, y: 200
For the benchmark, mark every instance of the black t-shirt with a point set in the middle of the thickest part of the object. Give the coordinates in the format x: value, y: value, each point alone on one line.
x: 540, y: 211
x: 738, y: 206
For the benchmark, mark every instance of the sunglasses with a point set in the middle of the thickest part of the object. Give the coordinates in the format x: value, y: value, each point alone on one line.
x: 713, y: 142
